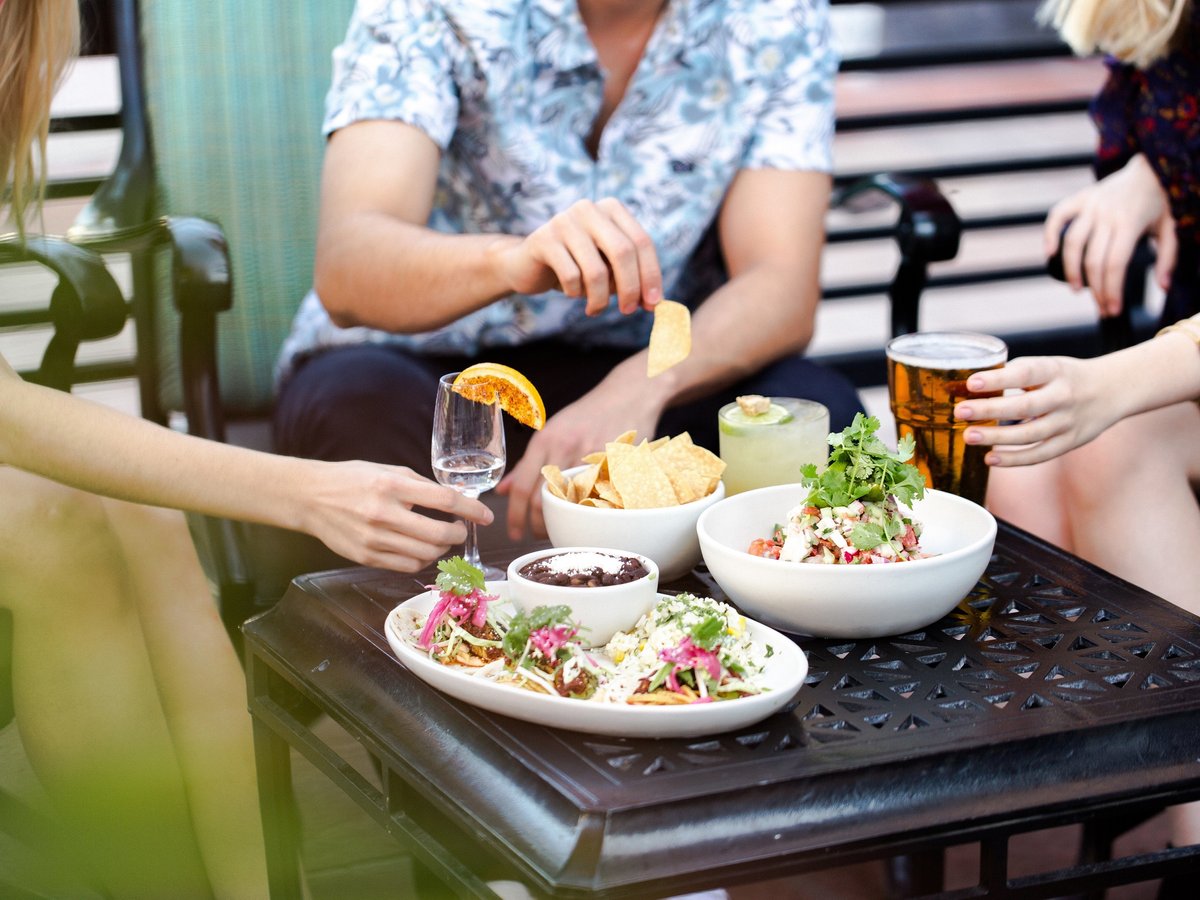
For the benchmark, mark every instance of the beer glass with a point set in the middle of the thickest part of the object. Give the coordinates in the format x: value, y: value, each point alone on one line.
x: 927, y: 376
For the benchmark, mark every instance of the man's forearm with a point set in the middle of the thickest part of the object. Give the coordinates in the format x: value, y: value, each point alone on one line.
x: 377, y: 271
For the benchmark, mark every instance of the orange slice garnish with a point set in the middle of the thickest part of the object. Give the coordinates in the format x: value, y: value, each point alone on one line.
x: 491, y: 382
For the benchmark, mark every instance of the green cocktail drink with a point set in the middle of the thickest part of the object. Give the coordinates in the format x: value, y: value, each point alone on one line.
x: 765, y: 440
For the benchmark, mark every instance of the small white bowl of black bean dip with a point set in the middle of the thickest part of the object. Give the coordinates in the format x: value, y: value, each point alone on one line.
x: 606, y: 590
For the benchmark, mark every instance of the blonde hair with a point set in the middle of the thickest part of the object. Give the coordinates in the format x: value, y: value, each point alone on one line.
x: 1134, y: 31
x: 38, y: 41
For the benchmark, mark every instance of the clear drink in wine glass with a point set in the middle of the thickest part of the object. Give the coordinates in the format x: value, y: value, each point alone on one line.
x: 467, y: 454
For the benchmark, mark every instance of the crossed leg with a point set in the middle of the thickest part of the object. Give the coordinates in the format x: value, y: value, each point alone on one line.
x: 128, y: 696
x: 1126, y: 502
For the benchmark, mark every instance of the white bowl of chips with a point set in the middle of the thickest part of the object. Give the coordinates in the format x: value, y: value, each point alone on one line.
x: 644, y: 498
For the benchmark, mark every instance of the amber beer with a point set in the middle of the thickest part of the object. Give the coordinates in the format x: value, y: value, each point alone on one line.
x: 927, y: 376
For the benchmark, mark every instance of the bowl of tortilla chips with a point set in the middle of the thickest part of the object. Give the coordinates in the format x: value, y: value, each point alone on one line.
x: 639, y: 497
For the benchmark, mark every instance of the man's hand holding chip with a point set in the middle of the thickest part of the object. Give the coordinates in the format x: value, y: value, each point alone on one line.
x: 590, y: 250
x: 587, y: 424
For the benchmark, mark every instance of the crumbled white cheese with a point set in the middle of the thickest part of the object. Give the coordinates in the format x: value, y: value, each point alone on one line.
x: 580, y: 562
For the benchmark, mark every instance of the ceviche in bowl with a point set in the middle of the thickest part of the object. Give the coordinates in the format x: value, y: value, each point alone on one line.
x: 863, y: 549
x: 689, y: 666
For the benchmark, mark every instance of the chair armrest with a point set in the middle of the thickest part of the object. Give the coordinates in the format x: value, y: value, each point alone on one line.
x: 201, y: 279
x: 1126, y: 327
x: 86, y: 304
x: 928, y: 230
x: 201, y: 287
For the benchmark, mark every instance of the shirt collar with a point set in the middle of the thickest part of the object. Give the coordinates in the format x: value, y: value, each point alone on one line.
x: 570, y: 48
x: 575, y: 50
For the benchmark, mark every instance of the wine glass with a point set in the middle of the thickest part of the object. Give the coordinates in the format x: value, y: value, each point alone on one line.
x: 467, y: 453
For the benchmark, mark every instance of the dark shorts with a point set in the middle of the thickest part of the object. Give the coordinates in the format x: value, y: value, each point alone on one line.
x: 375, y: 402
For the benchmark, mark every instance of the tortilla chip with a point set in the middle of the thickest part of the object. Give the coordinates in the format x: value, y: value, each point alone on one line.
x: 667, y: 471
x: 555, y: 481
x: 693, y: 471
x: 663, y: 697
x: 573, y: 492
x: 584, y: 482
x: 605, y: 491
x: 670, y: 337
x: 638, y: 478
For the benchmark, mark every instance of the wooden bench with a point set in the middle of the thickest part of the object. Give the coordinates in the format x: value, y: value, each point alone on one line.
x: 969, y: 93
x: 974, y: 95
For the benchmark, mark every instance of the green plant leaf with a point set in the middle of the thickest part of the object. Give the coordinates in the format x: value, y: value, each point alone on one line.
x: 863, y: 467
x: 459, y: 577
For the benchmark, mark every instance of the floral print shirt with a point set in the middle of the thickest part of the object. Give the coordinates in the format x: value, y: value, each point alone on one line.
x: 510, y: 89
x: 1154, y: 111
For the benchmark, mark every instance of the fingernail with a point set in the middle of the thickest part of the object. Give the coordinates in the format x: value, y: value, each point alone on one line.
x: 963, y: 412
x: 975, y: 383
x: 653, y: 296
x: 991, y: 459
x: 972, y: 436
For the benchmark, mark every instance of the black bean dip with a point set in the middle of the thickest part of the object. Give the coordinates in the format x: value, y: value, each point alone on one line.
x: 584, y: 569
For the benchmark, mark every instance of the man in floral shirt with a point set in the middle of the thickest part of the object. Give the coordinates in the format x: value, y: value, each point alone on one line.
x: 522, y: 181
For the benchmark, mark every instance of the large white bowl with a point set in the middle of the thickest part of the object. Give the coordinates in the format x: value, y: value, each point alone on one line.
x: 667, y: 534
x: 600, y: 611
x: 846, y: 601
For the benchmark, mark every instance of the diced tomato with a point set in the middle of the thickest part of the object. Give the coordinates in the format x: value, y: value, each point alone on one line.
x: 812, y: 511
x: 764, y: 548
x: 909, y: 539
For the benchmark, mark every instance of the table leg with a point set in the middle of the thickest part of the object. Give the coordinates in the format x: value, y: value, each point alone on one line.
x: 916, y: 874
x: 276, y: 800
x: 272, y: 758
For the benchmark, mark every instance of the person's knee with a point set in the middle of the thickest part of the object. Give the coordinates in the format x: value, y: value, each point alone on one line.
x: 1103, y: 461
x: 53, y: 537
x: 357, y: 403
x: 39, y: 511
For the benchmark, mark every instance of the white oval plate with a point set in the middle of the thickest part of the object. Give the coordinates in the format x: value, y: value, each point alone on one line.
x: 782, y: 678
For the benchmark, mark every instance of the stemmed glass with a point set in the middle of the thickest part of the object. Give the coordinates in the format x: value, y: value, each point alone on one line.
x: 467, y: 453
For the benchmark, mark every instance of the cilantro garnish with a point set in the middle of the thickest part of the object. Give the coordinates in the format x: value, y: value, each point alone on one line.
x: 458, y: 577
x: 861, y: 467
x: 707, y: 632
x: 524, y: 624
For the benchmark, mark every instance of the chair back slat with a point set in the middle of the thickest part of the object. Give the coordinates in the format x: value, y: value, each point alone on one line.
x: 234, y: 93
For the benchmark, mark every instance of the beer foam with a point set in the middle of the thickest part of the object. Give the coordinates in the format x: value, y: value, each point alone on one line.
x: 948, y: 350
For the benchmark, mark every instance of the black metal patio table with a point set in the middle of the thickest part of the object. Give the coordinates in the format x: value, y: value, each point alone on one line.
x: 1056, y: 693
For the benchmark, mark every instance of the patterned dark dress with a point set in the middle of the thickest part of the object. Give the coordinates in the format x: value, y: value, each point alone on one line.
x: 1154, y: 112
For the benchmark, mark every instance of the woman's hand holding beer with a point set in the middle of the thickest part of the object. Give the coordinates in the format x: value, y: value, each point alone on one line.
x: 1065, y: 403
